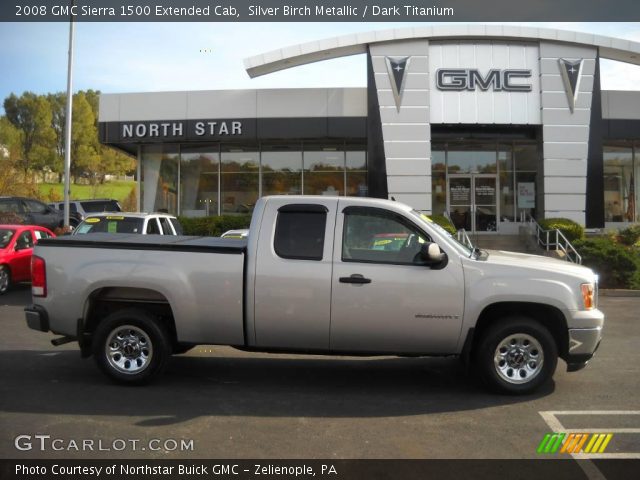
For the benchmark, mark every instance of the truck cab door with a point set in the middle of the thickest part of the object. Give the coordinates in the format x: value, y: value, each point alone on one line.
x: 384, y: 297
x: 21, y: 262
x: 292, y: 294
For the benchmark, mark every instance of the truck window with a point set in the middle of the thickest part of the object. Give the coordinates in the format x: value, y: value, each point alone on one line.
x: 176, y: 226
x: 25, y: 240
x: 375, y: 235
x: 152, y: 227
x: 300, y: 232
x: 166, y: 227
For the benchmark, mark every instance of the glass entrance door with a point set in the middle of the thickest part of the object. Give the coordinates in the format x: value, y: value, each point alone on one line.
x: 472, y: 201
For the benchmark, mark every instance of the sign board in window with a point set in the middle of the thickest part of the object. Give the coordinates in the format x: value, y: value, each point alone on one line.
x: 526, y: 195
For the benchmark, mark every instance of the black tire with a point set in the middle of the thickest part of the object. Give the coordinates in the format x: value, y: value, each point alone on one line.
x: 143, y: 346
x: 5, y: 279
x: 516, y: 356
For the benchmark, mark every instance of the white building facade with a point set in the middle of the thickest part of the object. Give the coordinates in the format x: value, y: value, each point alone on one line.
x: 490, y: 124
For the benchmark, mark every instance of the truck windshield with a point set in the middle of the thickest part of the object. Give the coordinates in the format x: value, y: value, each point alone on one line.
x: 462, y: 248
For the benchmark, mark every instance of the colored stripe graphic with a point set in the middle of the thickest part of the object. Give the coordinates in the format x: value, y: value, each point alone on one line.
x: 543, y: 443
x: 573, y: 442
x: 581, y: 443
x: 569, y: 443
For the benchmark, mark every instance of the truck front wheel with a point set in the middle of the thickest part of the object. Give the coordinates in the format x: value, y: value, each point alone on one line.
x: 131, y: 346
x: 516, y: 355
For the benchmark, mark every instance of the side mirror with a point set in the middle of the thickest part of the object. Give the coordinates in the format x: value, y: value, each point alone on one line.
x: 432, y: 255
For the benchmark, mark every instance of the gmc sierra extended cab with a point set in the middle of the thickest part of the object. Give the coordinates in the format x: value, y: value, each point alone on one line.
x: 320, y: 275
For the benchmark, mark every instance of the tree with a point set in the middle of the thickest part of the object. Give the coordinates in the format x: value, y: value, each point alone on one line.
x: 85, y: 158
x: 58, y: 103
x: 31, y: 115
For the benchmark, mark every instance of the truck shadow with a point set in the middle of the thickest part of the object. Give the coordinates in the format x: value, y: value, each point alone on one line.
x: 59, y: 383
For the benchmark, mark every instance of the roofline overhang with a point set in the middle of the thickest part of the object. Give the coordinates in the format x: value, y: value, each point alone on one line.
x: 608, y: 47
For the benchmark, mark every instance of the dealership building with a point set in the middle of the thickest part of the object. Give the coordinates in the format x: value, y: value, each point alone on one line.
x: 490, y: 123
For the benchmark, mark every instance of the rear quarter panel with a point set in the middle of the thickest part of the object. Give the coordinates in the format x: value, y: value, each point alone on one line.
x: 204, y: 290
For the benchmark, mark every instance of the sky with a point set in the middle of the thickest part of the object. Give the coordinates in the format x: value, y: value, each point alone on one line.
x: 144, y: 57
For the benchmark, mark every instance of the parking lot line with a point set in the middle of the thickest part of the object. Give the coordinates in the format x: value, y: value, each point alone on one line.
x: 551, y: 419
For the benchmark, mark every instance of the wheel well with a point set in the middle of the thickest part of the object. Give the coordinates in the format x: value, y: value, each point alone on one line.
x: 8, y: 267
x: 550, y: 317
x: 105, y: 301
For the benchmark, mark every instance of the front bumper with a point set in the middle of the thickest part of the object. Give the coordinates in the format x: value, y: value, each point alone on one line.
x: 37, y: 318
x: 585, y: 335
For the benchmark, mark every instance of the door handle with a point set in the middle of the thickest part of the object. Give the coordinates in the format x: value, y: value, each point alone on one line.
x: 355, y: 278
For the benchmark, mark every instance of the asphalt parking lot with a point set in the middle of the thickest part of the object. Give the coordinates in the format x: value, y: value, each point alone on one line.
x: 232, y: 404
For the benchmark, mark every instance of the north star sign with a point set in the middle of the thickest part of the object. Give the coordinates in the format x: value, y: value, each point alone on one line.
x: 468, y: 79
x: 200, y: 128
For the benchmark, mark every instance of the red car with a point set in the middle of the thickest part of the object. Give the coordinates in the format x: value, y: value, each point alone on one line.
x: 16, y: 247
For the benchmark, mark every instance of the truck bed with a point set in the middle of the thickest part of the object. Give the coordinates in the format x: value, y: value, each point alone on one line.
x: 205, y: 291
x: 180, y: 243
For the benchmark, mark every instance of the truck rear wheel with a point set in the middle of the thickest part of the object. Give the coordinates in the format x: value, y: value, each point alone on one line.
x: 516, y: 355
x: 131, y: 346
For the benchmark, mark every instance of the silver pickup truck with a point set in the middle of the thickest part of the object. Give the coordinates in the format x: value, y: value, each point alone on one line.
x: 321, y: 275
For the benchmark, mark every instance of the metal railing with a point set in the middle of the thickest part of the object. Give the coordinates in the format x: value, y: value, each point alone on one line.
x: 554, y: 240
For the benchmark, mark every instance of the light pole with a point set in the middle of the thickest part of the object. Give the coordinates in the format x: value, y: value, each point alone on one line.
x: 67, y: 127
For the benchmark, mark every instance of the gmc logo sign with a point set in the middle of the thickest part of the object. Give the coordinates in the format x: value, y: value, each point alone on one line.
x: 468, y: 79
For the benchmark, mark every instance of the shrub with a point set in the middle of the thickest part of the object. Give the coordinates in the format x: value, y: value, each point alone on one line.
x: 130, y: 203
x: 444, y: 223
x: 213, y: 226
x: 616, y: 265
x: 53, y: 196
x: 10, y: 218
x: 572, y: 230
x: 629, y: 236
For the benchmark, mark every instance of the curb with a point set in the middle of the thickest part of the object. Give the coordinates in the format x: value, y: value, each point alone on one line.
x: 618, y: 292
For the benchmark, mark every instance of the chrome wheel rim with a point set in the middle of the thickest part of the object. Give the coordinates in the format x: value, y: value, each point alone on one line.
x: 128, y: 349
x: 518, y: 358
x: 4, y: 280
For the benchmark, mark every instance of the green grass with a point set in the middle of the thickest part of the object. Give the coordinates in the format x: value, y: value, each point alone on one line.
x: 116, y: 190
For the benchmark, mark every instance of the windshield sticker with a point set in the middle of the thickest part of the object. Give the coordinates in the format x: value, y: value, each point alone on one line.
x: 112, y: 227
x: 111, y: 217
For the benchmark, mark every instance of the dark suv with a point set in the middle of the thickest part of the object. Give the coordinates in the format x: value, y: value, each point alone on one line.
x: 30, y: 212
x: 79, y: 209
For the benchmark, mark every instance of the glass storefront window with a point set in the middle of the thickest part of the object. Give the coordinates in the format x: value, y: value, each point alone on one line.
x: 438, y: 192
x: 281, y: 169
x: 510, y: 162
x: 199, y: 178
x: 620, y: 184
x: 526, y: 157
x: 526, y: 193
x: 159, y: 178
x: 324, y: 170
x: 507, y: 193
x: 356, y: 171
x: 472, y: 158
x: 239, y: 179
x: 438, y: 157
x: 229, y: 178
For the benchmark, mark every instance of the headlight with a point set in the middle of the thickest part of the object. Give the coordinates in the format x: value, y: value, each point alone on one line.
x: 588, y: 295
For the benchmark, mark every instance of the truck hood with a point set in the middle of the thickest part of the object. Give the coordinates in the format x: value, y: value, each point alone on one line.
x: 538, y: 262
